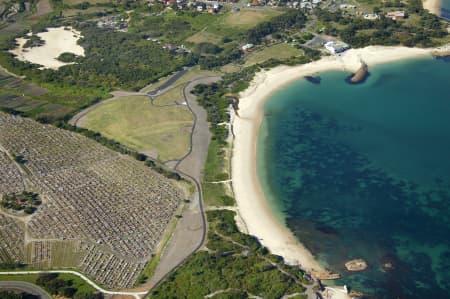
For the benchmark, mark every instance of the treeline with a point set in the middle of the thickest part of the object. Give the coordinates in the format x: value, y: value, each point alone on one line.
x: 109, y: 143
x: 118, y: 147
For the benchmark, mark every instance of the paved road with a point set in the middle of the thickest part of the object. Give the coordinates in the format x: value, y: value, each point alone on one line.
x: 24, y: 287
x: 169, y: 82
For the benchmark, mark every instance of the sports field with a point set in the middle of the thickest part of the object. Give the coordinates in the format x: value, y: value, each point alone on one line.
x: 163, y: 132
x: 248, y: 18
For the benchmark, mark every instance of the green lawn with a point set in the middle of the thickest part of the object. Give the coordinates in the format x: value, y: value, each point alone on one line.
x: 248, y: 18
x: 279, y: 51
x: 134, y: 122
x: 204, y: 37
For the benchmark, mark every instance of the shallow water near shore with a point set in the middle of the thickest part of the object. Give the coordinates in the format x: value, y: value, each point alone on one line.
x: 445, y: 9
x: 363, y: 171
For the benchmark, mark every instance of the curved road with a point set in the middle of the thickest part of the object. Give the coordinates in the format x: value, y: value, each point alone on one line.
x: 26, y: 287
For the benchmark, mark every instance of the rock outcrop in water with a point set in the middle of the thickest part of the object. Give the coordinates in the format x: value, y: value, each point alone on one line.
x: 360, y: 75
x: 443, y: 51
x: 313, y: 79
x: 356, y: 265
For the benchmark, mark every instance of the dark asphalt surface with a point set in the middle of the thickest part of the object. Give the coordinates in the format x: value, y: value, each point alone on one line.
x: 169, y: 82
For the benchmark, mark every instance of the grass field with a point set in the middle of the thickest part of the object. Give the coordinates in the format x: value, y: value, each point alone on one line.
x: 133, y: 121
x: 74, y: 2
x: 171, y: 97
x: 90, y: 10
x: 248, y: 18
x: 279, y: 51
x: 203, y: 37
x: 230, y: 68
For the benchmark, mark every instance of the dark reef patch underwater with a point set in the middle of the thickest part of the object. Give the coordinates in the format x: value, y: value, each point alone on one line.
x: 363, y: 171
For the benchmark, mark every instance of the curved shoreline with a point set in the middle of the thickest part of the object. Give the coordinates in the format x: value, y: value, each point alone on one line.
x: 252, y: 205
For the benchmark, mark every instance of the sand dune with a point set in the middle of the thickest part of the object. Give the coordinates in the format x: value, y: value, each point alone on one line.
x: 57, y: 41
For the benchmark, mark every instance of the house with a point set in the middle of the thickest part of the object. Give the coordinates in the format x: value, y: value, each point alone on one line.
x: 247, y: 47
x: 347, y: 6
x: 397, y: 15
x: 169, y: 2
x: 371, y: 16
x: 336, y: 47
x: 306, y: 5
x: 201, y: 7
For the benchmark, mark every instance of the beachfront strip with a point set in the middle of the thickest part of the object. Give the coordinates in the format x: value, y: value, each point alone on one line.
x: 102, y: 213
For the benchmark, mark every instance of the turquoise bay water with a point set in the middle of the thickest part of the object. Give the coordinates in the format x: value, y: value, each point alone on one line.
x: 445, y: 9
x: 363, y: 171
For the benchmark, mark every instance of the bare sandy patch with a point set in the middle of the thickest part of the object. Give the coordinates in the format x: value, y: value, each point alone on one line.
x: 57, y: 41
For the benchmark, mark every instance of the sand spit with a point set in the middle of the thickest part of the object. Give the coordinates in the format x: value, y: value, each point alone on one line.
x: 57, y: 41
x: 252, y: 205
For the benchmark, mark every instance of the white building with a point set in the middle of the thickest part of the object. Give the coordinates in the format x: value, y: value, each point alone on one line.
x: 371, y: 16
x: 247, y: 47
x: 336, y: 47
x: 347, y: 6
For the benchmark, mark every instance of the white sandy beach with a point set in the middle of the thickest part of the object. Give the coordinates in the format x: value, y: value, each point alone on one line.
x: 252, y: 205
x: 433, y: 6
x: 57, y: 41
